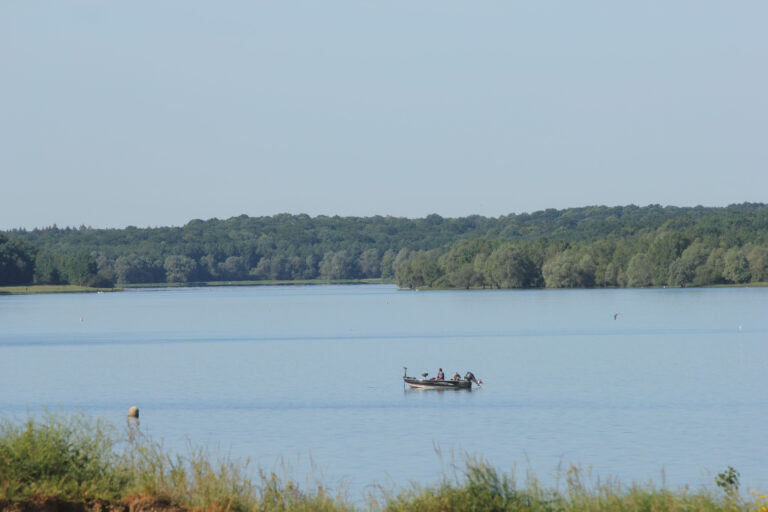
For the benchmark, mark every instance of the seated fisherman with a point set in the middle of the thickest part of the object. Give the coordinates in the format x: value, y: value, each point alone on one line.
x: 440, y: 374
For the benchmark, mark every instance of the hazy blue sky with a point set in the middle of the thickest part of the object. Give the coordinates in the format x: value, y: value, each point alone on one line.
x: 148, y: 113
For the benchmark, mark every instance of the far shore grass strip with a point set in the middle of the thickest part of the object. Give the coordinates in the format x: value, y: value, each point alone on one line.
x: 664, y: 287
x: 286, y: 282
x: 70, y: 288
x: 52, y: 288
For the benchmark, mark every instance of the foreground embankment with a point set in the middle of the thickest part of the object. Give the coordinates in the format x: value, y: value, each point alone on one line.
x: 79, y: 464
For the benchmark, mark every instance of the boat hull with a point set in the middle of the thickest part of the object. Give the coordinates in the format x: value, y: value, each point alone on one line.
x: 437, y: 384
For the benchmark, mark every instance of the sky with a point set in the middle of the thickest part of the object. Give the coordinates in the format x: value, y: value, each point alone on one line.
x: 156, y: 112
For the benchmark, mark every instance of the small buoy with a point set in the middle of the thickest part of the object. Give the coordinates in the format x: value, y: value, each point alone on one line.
x: 133, y: 412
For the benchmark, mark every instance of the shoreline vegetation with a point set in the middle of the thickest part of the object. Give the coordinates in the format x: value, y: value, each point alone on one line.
x: 75, y: 463
x: 589, y: 247
x: 271, y: 282
x: 46, y: 288
x: 68, y: 288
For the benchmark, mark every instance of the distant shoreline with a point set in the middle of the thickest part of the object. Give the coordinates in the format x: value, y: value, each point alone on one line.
x: 70, y: 288
x: 37, y: 289
x: 67, y: 288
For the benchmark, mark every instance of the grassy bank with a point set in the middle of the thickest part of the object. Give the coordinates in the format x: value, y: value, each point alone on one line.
x: 67, y: 288
x: 51, y: 288
x: 70, y: 288
x: 262, y: 283
x: 74, y: 463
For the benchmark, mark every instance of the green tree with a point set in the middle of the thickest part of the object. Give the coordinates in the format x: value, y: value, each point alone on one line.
x: 401, y: 257
x: 47, y: 269
x: 638, y: 274
x: 663, y: 251
x: 279, y: 267
x: 296, y: 267
x: 80, y: 269
x: 233, y: 268
x: 586, y: 270
x: 310, y: 267
x: 566, y: 270
x: 387, y: 272
x: 458, y: 264
x: 463, y: 252
x: 208, y: 268
x: 261, y: 270
x: 179, y: 269
x: 510, y: 266
x: 736, y: 266
x: 480, y: 270
x: 758, y: 264
x: 105, y: 271
x: 682, y: 272
x: 606, y: 272
x: 463, y: 277
x: 339, y: 265
x: 622, y: 254
x: 370, y: 263
x: 133, y: 268
x: 712, y: 271
x: 17, y: 261
x: 608, y: 275
x: 420, y: 271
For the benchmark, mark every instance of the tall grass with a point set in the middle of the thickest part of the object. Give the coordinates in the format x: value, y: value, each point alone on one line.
x: 83, y: 461
x: 78, y: 460
x: 71, y: 457
x: 482, y: 488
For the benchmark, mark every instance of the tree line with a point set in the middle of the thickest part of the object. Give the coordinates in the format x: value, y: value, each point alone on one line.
x: 21, y: 263
x: 666, y: 259
x: 575, y: 247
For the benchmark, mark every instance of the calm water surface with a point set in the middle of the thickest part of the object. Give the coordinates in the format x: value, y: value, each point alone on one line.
x: 310, y: 376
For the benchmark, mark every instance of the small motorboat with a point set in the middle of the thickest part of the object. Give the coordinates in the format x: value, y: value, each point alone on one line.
x: 454, y: 383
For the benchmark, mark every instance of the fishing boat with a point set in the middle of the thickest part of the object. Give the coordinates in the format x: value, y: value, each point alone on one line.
x: 454, y: 383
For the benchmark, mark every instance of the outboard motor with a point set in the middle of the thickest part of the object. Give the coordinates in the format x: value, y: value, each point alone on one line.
x: 471, y: 377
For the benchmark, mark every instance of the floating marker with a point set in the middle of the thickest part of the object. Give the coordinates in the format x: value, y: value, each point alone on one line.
x: 133, y: 412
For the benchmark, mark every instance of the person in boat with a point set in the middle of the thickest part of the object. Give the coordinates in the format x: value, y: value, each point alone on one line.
x: 440, y: 374
x: 456, y: 376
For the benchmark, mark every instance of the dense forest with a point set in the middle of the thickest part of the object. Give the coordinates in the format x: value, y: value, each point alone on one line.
x: 577, y: 247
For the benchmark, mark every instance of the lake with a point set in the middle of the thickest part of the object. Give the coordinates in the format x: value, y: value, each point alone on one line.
x: 300, y: 378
